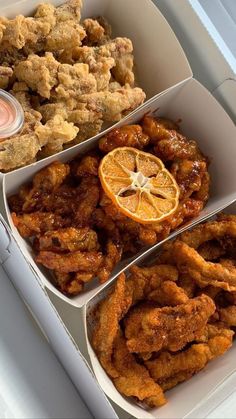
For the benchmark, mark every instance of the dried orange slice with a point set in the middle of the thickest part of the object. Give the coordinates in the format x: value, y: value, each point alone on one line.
x: 139, y: 184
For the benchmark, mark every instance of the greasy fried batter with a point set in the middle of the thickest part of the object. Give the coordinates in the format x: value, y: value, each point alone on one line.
x: 169, y: 327
x: 204, y: 273
x: 133, y: 379
x: 110, y: 312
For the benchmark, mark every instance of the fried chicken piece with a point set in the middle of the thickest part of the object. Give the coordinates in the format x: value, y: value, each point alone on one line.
x: 87, y: 166
x: 146, y: 280
x: 87, y: 130
x: 110, y: 106
x: 228, y: 315
x: 123, y: 70
x: 168, y: 294
x: 209, y: 231
x: 112, y: 257
x: 18, y: 32
x: 5, y: 75
x: 133, y: 379
x: 110, y: 312
x: 204, y: 273
x: 65, y: 35
x: 68, y: 283
x: 74, y: 80
x: 68, y: 239
x: 187, y: 284
x: 203, y: 193
x: 37, y: 223
x: 168, y: 327
x: 39, y: 73
x: 70, y: 262
x: 157, y: 128
x: 188, y: 174
x: 18, y: 151
x: 54, y: 134
x: 128, y: 136
x: 170, y: 369
x: 86, y: 201
x: 71, y: 10
x: 95, y: 32
x: 211, y: 250
x: 45, y: 181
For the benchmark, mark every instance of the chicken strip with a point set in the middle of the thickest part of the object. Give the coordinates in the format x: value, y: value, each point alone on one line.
x: 204, y: 273
x: 68, y: 239
x: 128, y: 136
x: 86, y: 200
x: 37, y: 223
x: 71, y: 262
x: 168, y: 294
x: 170, y: 369
x: 169, y: 327
x: 133, y: 379
x: 111, y: 311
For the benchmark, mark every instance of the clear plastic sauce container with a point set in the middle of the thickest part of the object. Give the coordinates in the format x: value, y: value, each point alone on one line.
x: 11, y: 115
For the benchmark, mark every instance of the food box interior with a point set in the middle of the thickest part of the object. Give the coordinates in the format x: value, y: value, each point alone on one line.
x: 178, y: 97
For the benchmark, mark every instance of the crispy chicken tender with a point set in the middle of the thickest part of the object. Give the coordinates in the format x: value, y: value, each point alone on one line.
x: 37, y: 223
x: 204, y: 273
x: 68, y: 239
x: 134, y: 379
x: 170, y: 369
x: 128, y: 136
x: 211, y: 250
x: 110, y: 312
x: 71, y: 262
x: 169, y: 327
x: 39, y: 73
x: 168, y: 294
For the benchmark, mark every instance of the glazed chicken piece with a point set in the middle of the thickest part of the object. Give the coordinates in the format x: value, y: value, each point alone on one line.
x: 112, y: 257
x: 128, y: 136
x: 71, y: 262
x: 37, y: 223
x: 150, y: 329
x: 68, y: 239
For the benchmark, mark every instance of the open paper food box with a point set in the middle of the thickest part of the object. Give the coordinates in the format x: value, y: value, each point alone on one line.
x: 164, y: 74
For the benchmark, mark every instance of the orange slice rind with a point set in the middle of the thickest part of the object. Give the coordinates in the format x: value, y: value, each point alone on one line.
x: 139, y: 184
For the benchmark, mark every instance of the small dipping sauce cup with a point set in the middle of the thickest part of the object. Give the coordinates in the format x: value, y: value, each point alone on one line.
x: 11, y: 115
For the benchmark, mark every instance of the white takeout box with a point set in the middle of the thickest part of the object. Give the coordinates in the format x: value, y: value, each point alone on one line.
x: 202, y: 119
x: 156, y: 69
x: 159, y: 68
x: 194, y: 398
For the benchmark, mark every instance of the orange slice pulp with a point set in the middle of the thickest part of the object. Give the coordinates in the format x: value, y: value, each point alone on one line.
x: 139, y: 184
